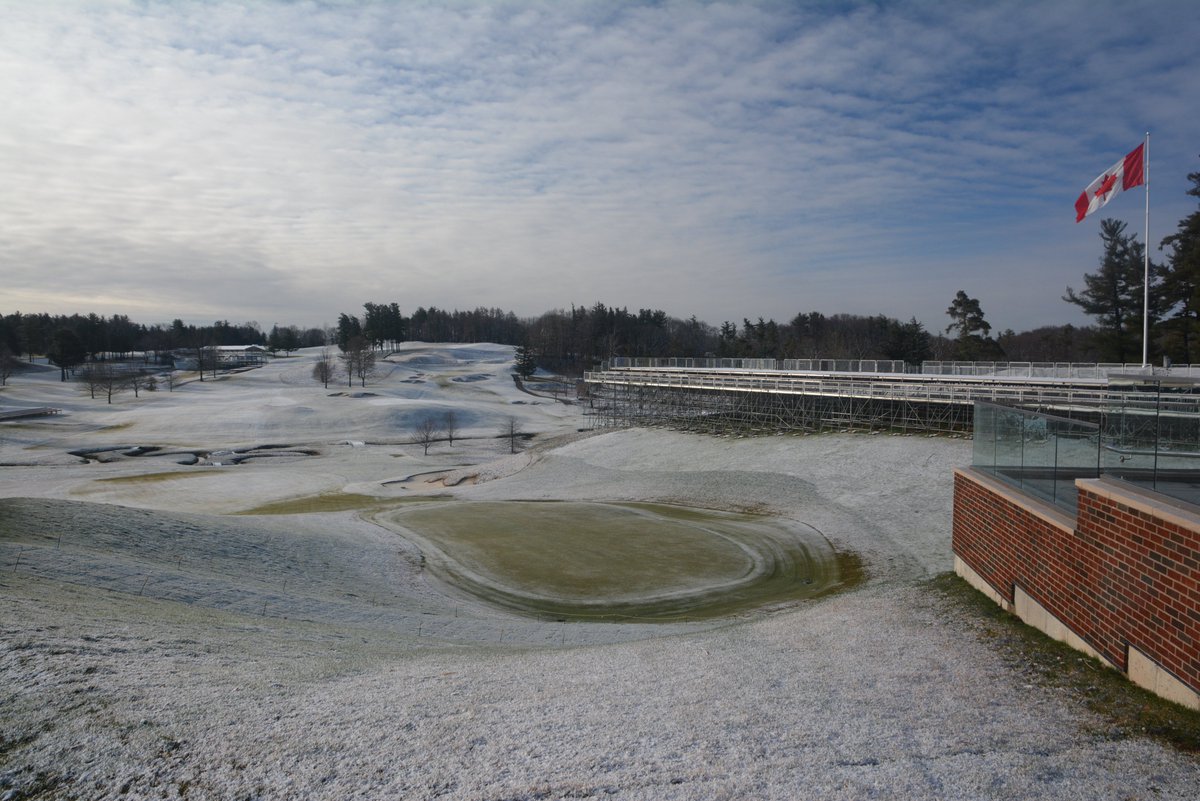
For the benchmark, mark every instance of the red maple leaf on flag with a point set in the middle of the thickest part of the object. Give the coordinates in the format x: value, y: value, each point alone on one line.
x: 1125, y: 174
x: 1106, y: 185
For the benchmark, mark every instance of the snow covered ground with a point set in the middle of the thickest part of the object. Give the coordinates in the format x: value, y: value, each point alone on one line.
x: 155, y: 643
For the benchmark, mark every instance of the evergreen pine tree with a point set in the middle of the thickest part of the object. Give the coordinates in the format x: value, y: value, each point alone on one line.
x: 526, y: 361
x: 1181, y: 282
x: 1114, y: 295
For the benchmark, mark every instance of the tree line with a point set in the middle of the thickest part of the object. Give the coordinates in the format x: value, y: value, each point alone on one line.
x: 568, y: 341
x: 72, y: 340
x: 576, y: 339
x: 384, y: 326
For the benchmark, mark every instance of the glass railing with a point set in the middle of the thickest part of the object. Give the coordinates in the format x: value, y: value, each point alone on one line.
x: 1040, y: 454
x: 1152, y: 438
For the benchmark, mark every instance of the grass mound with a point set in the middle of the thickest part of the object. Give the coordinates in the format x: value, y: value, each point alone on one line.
x: 620, y: 561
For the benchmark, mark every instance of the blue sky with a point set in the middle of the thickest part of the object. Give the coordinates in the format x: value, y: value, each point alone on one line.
x: 283, y: 162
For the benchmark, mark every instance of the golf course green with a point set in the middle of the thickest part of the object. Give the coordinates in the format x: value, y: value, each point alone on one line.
x: 610, y: 561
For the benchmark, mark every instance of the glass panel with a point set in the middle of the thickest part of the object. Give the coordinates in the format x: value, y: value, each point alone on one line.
x: 1130, y: 437
x: 1152, y: 436
x: 1177, y: 460
x: 1010, y: 445
x: 1038, y: 453
x: 983, y: 445
x: 1077, y: 449
x: 1040, y: 458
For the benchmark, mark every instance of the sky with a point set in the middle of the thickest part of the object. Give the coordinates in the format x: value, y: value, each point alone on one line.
x: 285, y: 162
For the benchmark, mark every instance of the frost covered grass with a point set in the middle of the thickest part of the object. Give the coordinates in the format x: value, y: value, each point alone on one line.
x: 154, y: 643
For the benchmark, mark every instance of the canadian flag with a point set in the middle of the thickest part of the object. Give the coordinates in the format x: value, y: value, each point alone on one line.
x: 1125, y: 174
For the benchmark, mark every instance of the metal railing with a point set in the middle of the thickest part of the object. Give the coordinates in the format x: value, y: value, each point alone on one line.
x: 909, y: 387
x: 713, y: 363
x: 1059, y: 370
x: 1065, y: 370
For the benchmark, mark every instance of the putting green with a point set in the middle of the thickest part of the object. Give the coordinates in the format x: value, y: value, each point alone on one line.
x: 620, y: 561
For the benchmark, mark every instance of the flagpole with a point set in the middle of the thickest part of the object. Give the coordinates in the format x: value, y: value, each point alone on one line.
x: 1146, y: 262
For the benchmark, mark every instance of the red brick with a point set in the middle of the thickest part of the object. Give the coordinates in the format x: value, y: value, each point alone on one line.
x: 1121, y: 576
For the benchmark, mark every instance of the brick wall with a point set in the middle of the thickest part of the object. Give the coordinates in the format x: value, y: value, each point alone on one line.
x: 1124, y: 572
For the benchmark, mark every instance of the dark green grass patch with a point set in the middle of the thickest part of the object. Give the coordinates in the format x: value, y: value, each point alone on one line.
x: 1125, y: 709
x: 607, y: 561
x: 334, y: 502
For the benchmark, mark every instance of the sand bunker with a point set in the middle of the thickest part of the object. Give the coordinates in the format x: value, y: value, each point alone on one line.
x: 217, y: 457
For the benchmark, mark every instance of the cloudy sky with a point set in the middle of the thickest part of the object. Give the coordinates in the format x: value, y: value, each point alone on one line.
x: 283, y: 162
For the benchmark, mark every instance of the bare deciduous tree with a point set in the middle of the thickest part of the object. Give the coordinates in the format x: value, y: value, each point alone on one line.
x: 325, y: 367
x: 104, y: 378
x: 366, y: 366
x: 358, y: 359
x: 139, y: 381
x: 512, y: 430
x: 89, y: 378
x: 424, y: 433
x: 200, y: 349
x: 450, y: 425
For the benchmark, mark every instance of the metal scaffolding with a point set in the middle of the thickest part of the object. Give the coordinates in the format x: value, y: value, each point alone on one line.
x: 766, y: 401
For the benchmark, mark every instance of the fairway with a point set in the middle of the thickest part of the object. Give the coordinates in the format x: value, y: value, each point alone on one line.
x: 618, y: 561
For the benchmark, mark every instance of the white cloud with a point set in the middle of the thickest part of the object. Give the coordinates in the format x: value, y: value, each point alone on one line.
x: 289, y: 161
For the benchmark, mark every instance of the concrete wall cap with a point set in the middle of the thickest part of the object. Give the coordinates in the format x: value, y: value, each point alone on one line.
x: 1047, y: 512
x: 1160, y: 506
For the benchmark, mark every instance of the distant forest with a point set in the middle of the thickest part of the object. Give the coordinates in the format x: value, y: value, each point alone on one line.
x: 564, y: 340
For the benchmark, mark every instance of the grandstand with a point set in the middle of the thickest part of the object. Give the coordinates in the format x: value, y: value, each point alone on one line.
x: 765, y: 396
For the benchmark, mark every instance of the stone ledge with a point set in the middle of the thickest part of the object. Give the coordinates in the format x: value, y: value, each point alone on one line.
x: 1040, y: 509
x: 1145, y: 672
x: 968, y: 574
x: 1026, y: 607
x: 1152, y: 503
